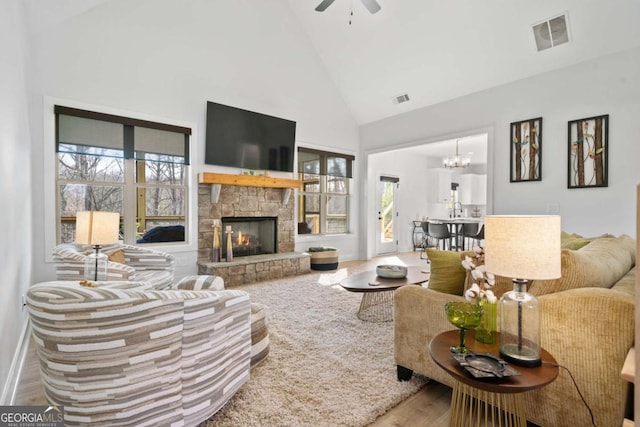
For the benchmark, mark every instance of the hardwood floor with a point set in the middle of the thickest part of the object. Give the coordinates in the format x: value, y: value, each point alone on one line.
x: 29, y: 390
x: 428, y: 407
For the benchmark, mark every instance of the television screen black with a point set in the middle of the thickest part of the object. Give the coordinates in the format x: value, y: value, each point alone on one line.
x: 248, y: 140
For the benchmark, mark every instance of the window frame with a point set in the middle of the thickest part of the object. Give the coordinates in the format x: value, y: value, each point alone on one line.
x: 323, y: 192
x: 50, y: 160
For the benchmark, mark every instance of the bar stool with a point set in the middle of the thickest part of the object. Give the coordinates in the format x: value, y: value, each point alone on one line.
x: 441, y: 233
x: 478, y: 237
x: 469, y: 230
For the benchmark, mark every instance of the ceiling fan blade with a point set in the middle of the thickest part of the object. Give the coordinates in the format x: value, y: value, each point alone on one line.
x: 325, y: 4
x: 371, y: 5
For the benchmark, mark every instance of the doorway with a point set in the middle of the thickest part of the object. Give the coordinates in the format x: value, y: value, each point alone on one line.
x: 387, y: 239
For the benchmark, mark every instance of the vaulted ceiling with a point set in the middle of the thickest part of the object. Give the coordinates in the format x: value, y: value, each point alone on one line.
x: 436, y: 50
x: 432, y: 50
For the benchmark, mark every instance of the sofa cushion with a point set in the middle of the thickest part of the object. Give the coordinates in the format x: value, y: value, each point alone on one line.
x: 627, y: 284
x: 447, y: 273
x: 600, y: 264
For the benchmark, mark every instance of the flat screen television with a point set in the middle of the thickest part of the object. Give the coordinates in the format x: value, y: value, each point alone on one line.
x: 249, y: 140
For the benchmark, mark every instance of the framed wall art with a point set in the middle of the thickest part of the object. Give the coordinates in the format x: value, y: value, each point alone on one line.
x: 588, y: 152
x: 526, y: 150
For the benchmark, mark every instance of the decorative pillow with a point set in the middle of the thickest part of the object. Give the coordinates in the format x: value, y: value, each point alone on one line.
x: 564, y: 235
x: 117, y: 256
x: 447, y: 273
x: 600, y: 264
x: 574, y: 243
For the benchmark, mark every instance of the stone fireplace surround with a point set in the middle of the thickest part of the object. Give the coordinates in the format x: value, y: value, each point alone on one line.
x: 248, y: 201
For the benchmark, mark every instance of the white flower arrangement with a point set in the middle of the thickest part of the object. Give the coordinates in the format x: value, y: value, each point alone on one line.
x: 483, y: 281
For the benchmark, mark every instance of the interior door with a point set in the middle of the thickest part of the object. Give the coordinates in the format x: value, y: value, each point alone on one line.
x: 387, y: 214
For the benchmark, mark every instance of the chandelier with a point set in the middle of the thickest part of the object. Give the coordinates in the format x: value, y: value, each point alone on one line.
x: 456, y: 161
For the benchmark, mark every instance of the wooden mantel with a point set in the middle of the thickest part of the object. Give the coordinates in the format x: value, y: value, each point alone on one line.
x: 248, y: 180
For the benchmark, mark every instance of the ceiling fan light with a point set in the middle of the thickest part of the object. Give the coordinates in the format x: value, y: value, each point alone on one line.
x: 371, y: 5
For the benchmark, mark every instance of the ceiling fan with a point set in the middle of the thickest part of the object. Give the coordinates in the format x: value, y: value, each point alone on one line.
x: 371, y: 5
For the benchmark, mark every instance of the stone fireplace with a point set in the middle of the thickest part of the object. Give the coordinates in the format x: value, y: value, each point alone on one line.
x: 253, y: 235
x: 251, y: 210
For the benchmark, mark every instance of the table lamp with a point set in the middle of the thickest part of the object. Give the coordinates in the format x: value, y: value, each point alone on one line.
x: 524, y: 248
x: 96, y: 229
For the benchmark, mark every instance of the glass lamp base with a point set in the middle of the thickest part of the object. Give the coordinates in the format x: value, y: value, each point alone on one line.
x: 524, y: 356
x: 95, y: 266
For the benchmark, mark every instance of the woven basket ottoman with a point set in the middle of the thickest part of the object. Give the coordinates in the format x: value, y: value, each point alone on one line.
x: 323, y: 258
x: 259, y: 334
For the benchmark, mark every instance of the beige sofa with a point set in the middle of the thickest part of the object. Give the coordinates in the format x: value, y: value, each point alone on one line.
x: 587, y: 322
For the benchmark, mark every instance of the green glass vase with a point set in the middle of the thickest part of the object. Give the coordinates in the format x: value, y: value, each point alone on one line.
x: 463, y: 315
x: 486, y: 330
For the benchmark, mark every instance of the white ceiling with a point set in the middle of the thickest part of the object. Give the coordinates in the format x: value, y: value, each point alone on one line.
x: 436, y: 50
x: 432, y: 50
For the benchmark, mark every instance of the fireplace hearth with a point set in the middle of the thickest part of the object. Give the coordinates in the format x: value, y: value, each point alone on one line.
x: 251, y: 235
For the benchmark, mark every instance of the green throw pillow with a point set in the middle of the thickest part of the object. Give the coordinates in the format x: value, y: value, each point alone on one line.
x: 447, y: 273
x: 574, y: 243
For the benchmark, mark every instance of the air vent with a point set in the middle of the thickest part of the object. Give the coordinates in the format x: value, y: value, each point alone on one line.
x: 551, y: 32
x: 400, y: 99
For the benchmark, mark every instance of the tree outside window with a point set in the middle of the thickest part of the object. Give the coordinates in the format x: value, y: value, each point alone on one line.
x: 111, y: 163
x: 323, y: 203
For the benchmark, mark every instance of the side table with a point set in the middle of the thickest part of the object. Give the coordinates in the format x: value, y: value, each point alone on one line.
x: 376, y: 304
x: 488, y: 401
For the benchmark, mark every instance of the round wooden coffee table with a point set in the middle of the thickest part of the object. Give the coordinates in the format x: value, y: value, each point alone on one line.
x: 377, y: 299
x: 497, y: 401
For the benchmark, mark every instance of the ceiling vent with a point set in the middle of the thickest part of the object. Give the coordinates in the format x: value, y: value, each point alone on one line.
x: 551, y: 32
x: 400, y: 99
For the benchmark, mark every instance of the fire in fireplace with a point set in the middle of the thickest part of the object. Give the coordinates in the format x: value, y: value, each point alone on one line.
x: 251, y: 235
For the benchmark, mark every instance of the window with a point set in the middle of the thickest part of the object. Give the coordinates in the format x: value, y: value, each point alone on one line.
x: 134, y: 167
x: 323, y: 203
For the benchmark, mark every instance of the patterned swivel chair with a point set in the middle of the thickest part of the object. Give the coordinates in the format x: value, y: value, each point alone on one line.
x: 123, y: 354
x: 127, y: 263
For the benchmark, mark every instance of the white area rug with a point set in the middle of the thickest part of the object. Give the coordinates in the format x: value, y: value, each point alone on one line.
x: 326, y: 367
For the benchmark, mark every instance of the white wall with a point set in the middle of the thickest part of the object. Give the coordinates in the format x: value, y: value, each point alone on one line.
x: 165, y: 59
x: 15, y: 184
x: 609, y: 85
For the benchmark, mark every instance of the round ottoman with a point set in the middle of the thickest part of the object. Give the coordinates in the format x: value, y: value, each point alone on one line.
x: 323, y: 258
x: 259, y: 334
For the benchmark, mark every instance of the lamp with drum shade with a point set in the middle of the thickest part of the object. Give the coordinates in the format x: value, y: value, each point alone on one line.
x: 523, y: 247
x: 96, y: 229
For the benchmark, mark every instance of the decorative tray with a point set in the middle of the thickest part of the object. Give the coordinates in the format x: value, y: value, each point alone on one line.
x: 485, y: 365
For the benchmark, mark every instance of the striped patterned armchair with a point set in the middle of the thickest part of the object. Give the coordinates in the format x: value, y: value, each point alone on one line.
x: 120, y: 354
x: 139, y: 264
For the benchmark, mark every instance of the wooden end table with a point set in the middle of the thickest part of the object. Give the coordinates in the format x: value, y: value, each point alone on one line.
x: 494, y: 401
x: 377, y: 300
